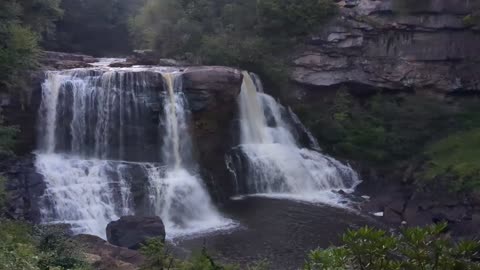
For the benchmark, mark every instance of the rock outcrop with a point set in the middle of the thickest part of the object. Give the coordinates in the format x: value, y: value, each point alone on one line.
x: 132, y: 231
x: 103, y: 256
x: 412, y: 206
x: 394, y: 45
x: 212, y: 94
x: 58, y: 60
x: 24, y: 187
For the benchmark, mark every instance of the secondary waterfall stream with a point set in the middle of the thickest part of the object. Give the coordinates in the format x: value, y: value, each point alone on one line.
x: 271, y: 161
x: 99, y: 151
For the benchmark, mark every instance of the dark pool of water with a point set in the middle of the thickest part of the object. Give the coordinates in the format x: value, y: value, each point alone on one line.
x: 280, y: 231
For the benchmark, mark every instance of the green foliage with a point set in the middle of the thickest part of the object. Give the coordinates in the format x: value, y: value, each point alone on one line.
x: 17, y: 250
x: 250, y: 34
x: 293, y: 18
x: 58, y: 251
x: 41, y: 15
x: 22, y: 25
x: 387, y: 131
x: 106, y: 20
x: 413, y: 248
x: 23, y: 247
x: 455, y: 158
x: 259, y: 265
x: 328, y: 259
x: 18, y: 54
x: 158, y: 257
x: 473, y: 19
x: 380, y: 129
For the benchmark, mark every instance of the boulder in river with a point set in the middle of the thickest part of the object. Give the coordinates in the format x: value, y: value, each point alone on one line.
x: 132, y: 231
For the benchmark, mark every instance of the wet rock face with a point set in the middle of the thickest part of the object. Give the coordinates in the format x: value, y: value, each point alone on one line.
x: 385, y: 45
x: 132, y: 231
x: 24, y: 188
x: 212, y: 94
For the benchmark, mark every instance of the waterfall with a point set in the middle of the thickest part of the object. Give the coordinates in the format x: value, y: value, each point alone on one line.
x: 112, y: 144
x: 272, y: 161
x: 176, y: 194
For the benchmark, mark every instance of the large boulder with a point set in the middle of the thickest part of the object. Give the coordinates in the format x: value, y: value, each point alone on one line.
x: 143, y: 57
x: 394, y: 45
x: 132, y: 231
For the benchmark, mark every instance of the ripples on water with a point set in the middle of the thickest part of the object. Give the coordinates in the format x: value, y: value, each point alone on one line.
x: 281, y: 231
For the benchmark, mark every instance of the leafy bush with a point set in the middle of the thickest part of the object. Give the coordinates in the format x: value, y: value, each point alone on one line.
x: 18, y: 53
x: 22, y: 26
x: 413, y: 248
x: 380, y: 129
x: 106, y: 20
x: 24, y: 247
x: 157, y: 257
x: 293, y: 18
x: 17, y: 250
x: 57, y: 249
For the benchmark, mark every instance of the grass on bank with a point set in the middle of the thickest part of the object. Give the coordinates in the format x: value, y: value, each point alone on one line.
x: 456, y: 159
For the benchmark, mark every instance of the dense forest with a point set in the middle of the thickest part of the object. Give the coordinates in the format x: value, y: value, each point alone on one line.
x: 248, y: 34
x: 426, y: 142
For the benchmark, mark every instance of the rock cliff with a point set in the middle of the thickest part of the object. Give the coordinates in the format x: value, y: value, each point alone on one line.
x: 394, y: 45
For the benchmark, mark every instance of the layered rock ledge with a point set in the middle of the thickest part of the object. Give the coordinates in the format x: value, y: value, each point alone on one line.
x: 381, y: 45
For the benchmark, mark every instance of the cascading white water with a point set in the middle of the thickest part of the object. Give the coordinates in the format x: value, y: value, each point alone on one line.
x: 81, y: 194
x: 176, y: 194
x: 83, y: 189
x: 96, y: 140
x: 276, y: 164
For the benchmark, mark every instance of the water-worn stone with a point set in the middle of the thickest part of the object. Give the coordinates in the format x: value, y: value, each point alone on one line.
x: 132, y: 231
x: 59, y: 60
x: 143, y: 57
x: 381, y: 44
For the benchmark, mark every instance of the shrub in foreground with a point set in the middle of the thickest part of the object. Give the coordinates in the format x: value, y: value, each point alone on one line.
x: 414, y: 248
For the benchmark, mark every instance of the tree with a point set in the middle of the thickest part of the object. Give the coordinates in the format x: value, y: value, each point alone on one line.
x: 95, y: 27
x: 249, y: 34
x: 22, y: 26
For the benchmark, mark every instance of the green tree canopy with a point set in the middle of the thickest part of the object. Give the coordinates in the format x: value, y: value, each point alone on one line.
x: 249, y: 34
x: 22, y: 25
